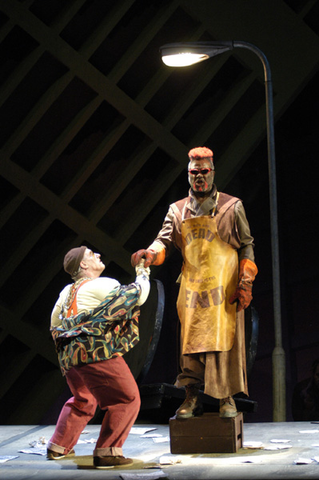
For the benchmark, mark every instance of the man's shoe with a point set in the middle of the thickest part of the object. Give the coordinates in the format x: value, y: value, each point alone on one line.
x: 227, y: 408
x: 51, y: 455
x: 192, y: 406
x: 111, y: 461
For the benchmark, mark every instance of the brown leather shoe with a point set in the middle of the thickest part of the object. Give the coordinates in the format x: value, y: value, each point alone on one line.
x: 51, y: 455
x: 110, y: 461
x: 227, y: 407
x: 192, y: 406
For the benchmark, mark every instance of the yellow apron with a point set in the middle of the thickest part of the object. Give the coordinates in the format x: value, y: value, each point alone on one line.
x: 209, y: 278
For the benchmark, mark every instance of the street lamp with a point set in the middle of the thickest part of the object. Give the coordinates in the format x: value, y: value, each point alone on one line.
x: 185, y: 54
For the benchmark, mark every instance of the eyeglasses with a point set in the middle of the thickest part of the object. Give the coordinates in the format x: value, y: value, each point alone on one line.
x: 203, y: 171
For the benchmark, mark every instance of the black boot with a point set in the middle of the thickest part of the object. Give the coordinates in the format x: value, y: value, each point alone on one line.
x: 192, y: 406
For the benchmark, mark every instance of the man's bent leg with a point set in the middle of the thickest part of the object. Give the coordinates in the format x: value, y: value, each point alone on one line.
x: 74, y: 416
x: 116, y: 392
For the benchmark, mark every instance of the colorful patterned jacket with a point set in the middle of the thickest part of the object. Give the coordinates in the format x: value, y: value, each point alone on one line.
x: 109, y: 330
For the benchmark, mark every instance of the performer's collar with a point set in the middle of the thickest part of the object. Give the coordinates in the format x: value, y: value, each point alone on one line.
x: 204, y: 207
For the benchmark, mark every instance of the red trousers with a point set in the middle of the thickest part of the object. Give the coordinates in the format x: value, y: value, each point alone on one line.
x: 108, y: 384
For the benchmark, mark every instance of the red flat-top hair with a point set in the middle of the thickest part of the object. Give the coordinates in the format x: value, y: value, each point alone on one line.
x: 199, y: 153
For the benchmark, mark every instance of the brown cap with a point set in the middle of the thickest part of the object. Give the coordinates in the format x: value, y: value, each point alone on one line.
x: 199, y: 153
x: 73, y: 259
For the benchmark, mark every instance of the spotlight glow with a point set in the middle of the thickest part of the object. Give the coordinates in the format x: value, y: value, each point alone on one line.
x: 184, y: 59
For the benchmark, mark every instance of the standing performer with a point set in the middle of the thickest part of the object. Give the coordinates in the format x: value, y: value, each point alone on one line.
x: 93, y: 323
x: 211, y: 230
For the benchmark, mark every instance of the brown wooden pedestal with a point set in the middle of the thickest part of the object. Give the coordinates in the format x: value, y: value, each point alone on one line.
x: 206, y: 434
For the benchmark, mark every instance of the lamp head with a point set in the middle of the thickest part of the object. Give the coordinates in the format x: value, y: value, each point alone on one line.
x: 185, y: 54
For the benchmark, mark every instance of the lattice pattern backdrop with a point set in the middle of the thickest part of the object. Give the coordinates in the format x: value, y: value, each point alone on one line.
x: 94, y: 137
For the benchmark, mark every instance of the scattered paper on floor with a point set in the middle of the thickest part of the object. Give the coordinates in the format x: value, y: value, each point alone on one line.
x: 279, y: 440
x: 253, y: 444
x: 169, y: 460
x: 140, y: 430
x: 35, y: 451
x: 6, y: 458
x: 161, y: 440
x: 303, y: 461
x: 278, y: 447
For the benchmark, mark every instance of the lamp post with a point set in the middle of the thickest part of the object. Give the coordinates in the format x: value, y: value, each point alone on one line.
x: 185, y: 54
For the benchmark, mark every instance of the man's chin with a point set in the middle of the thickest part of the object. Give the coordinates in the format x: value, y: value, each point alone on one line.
x: 200, y: 190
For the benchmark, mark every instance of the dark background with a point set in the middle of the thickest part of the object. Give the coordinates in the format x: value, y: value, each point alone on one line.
x: 94, y: 137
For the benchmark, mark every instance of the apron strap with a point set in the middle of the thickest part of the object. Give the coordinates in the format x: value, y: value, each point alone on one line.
x: 177, y: 212
x: 224, y: 207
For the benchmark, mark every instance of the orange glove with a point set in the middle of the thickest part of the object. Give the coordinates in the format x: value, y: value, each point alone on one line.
x: 243, y: 293
x: 149, y: 255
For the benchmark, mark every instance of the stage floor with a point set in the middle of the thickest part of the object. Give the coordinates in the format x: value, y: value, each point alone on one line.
x: 283, y: 451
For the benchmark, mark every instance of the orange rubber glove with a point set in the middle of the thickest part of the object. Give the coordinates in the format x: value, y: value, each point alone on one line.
x: 151, y: 257
x: 243, y: 293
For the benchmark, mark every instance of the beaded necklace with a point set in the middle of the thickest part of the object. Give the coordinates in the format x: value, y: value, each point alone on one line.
x: 71, y: 295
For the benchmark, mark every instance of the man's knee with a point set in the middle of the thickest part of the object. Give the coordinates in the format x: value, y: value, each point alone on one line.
x: 136, y: 399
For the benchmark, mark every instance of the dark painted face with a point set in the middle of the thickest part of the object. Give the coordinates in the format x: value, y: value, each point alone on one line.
x: 201, y: 176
